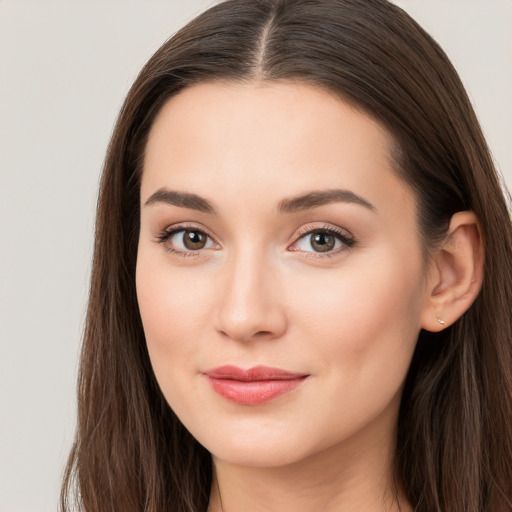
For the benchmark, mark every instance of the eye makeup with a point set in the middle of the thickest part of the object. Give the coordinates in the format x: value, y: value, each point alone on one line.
x: 325, y: 241
x: 196, y: 238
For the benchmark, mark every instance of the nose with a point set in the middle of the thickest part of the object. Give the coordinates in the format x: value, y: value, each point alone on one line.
x: 250, y: 305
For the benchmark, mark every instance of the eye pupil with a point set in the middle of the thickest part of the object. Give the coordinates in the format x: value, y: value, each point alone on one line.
x: 194, y: 240
x: 322, y: 242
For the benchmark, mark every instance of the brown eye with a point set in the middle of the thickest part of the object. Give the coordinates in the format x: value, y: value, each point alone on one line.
x: 194, y: 240
x: 186, y: 240
x: 322, y: 241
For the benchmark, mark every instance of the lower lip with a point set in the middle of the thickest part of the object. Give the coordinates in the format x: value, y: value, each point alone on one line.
x: 253, y: 392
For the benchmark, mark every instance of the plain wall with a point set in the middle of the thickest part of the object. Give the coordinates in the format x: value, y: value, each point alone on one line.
x: 65, y: 67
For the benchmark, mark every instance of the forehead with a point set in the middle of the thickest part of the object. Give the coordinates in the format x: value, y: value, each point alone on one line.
x: 273, y: 139
x: 231, y: 113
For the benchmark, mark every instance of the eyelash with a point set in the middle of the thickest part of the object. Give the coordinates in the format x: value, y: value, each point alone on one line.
x: 168, y: 233
x: 347, y: 240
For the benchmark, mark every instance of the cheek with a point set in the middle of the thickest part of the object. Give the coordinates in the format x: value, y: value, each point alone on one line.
x: 367, y: 319
x: 361, y: 335
x: 173, y: 307
x: 172, y: 297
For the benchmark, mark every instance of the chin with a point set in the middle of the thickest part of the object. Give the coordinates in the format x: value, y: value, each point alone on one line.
x: 259, y: 445
x: 269, y: 456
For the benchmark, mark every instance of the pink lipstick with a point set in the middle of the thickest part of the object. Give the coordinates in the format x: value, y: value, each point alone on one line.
x: 253, y: 386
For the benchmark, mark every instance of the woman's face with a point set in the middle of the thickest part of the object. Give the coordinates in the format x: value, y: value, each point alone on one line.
x: 276, y: 237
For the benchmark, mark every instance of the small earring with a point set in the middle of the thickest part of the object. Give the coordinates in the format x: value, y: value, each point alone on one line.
x: 439, y: 319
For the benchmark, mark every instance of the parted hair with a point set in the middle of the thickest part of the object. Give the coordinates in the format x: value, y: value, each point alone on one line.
x: 454, y: 436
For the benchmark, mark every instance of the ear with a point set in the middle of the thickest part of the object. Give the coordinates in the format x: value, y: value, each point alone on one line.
x: 456, y: 274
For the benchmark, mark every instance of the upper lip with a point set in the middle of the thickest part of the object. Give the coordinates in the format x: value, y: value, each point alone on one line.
x: 256, y: 373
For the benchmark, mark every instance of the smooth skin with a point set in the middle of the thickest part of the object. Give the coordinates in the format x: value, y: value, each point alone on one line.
x: 241, y: 280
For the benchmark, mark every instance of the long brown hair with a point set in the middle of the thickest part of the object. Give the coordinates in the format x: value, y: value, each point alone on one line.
x: 454, y: 446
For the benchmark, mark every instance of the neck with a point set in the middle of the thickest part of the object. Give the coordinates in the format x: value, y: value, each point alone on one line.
x: 349, y: 477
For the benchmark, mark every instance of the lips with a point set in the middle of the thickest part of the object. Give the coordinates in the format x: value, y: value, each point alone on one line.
x: 253, y: 386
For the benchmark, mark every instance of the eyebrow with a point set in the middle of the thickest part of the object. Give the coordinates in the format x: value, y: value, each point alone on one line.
x: 183, y: 199
x: 321, y: 197
x: 302, y: 202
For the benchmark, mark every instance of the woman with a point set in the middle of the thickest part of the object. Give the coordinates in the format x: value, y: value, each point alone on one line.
x: 301, y: 288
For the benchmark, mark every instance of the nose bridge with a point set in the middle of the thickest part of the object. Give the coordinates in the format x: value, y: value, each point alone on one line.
x: 250, y: 298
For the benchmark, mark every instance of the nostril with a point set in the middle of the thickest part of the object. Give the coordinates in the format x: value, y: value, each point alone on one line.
x: 247, y: 335
x: 262, y: 333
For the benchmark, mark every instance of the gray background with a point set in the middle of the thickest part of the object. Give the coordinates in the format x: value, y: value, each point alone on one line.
x: 65, y: 67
